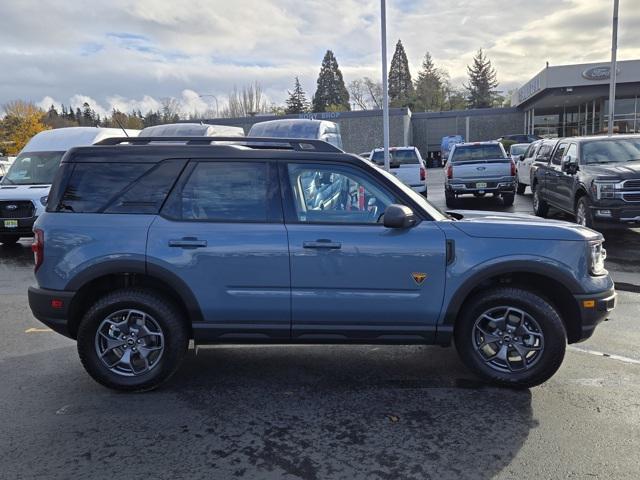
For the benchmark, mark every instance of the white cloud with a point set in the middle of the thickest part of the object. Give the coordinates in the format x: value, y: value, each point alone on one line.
x: 130, y: 55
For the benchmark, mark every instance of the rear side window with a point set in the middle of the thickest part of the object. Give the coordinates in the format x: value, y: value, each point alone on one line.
x: 223, y: 192
x: 118, y: 187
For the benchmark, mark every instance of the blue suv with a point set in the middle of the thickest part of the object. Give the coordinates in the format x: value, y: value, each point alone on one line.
x: 147, y: 243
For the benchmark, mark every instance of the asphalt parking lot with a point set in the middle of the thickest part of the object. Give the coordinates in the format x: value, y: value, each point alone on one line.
x: 316, y: 412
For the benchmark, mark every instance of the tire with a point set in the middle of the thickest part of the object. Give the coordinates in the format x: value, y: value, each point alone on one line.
x: 507, y: 199
x: 9, y: 240
x: 584, y: 215
x: 521, y: 187
x: 450, y: 199
x: 540, y: 207
x: 165, y: 328
x: 544, y: 328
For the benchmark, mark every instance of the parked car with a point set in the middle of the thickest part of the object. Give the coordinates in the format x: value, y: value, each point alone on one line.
x: 447, y: 142
x: 538, y: 151
x: 144, y: 247
x: 365, y: 155
x: 192, y: 130
x: 3, y: 169
x: 596, y: 179
x: 25, y: 187
x: 479, y: 168
x: 299, y: 128
x: 509, y: 140
x: 406, y: 163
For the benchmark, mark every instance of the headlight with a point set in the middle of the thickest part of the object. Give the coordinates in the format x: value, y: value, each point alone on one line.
x: 604, y: 189
x: 597, y: 257
x: 43, y: 200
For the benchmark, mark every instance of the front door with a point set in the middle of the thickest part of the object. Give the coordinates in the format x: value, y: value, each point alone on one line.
x: 566, y: 181
x: 221, y: 233
x: 352, y: 278
x: 552, y: 179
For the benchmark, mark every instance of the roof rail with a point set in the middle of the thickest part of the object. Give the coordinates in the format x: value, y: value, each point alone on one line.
x: 298, y: 144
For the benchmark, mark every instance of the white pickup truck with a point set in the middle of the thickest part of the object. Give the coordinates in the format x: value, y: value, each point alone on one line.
x: 479, y: 168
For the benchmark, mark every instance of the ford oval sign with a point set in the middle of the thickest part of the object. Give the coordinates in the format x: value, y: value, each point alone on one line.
x: 598, y: 73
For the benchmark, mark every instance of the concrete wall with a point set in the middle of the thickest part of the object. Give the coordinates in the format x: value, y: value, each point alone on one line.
x: 362, y: 130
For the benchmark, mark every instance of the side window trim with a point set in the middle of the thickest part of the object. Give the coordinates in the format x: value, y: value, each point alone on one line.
x: 274, y: 207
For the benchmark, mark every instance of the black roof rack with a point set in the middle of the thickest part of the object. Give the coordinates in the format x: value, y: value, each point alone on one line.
x: 298, y: 144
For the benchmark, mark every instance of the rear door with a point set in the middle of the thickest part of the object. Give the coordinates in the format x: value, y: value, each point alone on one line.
x: 221, y: 236
x: 553, y: 174
x: 352, y: 278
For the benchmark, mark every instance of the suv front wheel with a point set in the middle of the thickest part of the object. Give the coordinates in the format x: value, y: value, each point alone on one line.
x: 511, y: 336
x: 132, y: 339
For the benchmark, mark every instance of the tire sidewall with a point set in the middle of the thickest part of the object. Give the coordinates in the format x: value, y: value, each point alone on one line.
x: 545, y: 315
x: 175, y: 341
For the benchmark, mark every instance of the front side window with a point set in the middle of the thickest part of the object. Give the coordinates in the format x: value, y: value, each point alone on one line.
x: 223, y: 192
x: 573, y: 151
x: 557, y: 156
x: 336, y: 194
x: 33, y: 168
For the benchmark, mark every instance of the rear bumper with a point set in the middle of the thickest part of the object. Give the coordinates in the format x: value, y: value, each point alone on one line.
x: 24, y: 228
x: 40, y: 302
x: 594, y: 308
x: 493, y: 185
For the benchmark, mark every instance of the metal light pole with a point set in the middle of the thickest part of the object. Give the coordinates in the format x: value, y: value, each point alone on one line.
x: 385, y: 85
x: 215, y: 98
x: 613, y: 68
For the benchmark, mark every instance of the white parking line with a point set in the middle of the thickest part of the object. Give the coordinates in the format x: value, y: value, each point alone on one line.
x: 613, y: 356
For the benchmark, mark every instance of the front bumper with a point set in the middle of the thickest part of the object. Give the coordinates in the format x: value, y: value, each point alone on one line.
x: 56, y: 318
x: 626, y: 213
x: 594, y: 308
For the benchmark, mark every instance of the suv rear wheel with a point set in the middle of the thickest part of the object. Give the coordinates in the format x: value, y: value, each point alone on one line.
x: 511, y: 336
x: 132, y: 339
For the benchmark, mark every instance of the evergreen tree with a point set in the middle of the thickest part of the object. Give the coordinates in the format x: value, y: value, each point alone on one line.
x: 481, y: 89
x: 401, y: 92
x: 430, y: 86
x: 87, y: 115
x: 79, y: 116
x: 331, y: 93
x: 297, y: 101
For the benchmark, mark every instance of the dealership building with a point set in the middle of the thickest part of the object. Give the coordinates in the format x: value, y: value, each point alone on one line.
x: 573, y: 100
x: 559, y: 101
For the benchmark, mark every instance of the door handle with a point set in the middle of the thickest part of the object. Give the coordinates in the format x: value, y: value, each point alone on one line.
x: 328, y: 244
x: 188, y: 242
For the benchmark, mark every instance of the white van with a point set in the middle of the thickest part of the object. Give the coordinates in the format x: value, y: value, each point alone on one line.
x: 192, y: 130
x: 299, y: 128
x: 25, y: 187
x: 407, y: 164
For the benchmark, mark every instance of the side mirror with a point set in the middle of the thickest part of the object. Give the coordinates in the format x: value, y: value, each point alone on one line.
x: 521, y: 157
x: 399, y: 216
x: 569, y: 164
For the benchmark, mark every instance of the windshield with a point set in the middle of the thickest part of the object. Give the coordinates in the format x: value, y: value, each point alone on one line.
x: 432, y: 211
x: 31, y: 168
x: 518, y: 149
x: 477, y: 152
x: 396, y: 157
x: 611, y: 151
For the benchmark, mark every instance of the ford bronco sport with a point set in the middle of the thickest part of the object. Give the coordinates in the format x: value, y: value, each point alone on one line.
x: 147, y: 243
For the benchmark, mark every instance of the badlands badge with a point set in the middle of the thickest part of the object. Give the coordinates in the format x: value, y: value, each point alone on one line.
x: 418, y: 277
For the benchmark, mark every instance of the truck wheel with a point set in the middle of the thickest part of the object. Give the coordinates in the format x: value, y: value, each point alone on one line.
x: 450, y: 199
x: 521, y: 188
x: 9, y: 240
x: 540, y: 207
x: 132, y: 339
x: 507, y: 199
x: 511, y: 336
x: 584, y: 216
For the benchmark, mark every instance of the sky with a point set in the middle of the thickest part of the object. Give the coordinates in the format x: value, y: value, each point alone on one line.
x: 130, y: 54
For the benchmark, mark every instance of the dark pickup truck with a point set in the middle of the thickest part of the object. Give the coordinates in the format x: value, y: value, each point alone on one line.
x: 597, y: 179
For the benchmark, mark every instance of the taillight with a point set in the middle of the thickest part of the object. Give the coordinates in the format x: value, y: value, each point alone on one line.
x: 37, y: 247
x: 513, y: 168
x: 423, y: 174
x: 450, y: 171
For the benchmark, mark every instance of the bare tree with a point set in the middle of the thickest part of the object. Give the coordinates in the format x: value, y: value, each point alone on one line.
x: 170, y: 110
x: 247, y: 101
x: 374, y: 90
x: 358, y: 93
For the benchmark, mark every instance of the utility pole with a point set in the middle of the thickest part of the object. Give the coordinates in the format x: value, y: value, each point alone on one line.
x: 613, y: 68
x: 385, y: 85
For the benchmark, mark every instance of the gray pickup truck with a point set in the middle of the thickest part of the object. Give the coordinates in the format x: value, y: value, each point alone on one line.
x: 479, y: 168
